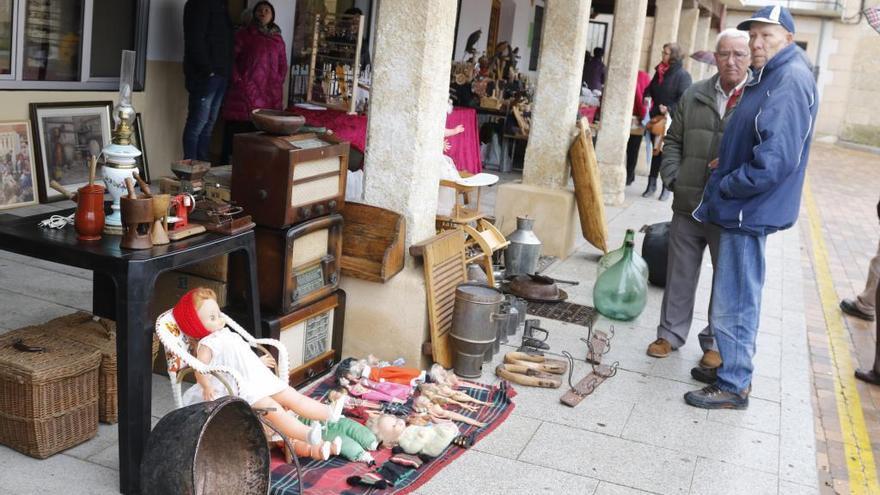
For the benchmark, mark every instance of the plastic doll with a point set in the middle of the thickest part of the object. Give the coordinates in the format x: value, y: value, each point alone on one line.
x: 449, y: 393
x: 354, y: 370
x: 379, y: 391
x: 446, y: 377
x: 437, y: 414
x: 198, y: 316
x: 414, y: 439
x: 355, y: 439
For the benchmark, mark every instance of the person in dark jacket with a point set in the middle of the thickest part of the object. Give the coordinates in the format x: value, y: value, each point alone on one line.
x: 691, y: 143
x: 207, y: 59
x: 258, y: 73
x: 594, y: 70
x: 669, y: 83
x: 755, y: 190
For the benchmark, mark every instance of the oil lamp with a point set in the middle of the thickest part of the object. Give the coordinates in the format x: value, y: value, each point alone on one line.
x: 119, y: 155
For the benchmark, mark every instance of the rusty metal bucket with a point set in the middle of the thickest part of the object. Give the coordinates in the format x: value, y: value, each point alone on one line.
x: 207, y: 448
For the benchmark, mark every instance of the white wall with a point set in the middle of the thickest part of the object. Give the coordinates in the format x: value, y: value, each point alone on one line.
x: 474, y: 15
x: 165, y: 38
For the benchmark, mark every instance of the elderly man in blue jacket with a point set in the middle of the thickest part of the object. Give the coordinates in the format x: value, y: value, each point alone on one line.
x: 755, y: 190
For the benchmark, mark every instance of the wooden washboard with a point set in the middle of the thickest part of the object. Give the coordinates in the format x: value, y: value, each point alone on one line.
x: 444, y: 270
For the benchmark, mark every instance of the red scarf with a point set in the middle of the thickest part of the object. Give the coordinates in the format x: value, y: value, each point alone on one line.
x: 187, y: 318
x: 661, y: 71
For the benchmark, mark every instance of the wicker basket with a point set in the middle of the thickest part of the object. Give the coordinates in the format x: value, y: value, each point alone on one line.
x: 49, y: 398
x: 100, y: 334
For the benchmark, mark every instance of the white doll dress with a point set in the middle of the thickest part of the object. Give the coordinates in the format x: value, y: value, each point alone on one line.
x: 229, y: 349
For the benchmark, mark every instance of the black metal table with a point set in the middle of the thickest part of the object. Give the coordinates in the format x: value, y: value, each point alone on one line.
x: 123, y: 286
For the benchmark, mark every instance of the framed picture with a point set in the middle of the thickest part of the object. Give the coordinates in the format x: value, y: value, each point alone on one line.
x: 65, y: 136
x: 17, y: 169
x: 137, y: 140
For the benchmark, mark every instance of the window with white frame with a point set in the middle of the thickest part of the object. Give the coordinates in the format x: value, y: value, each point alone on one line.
x: 70, y: 44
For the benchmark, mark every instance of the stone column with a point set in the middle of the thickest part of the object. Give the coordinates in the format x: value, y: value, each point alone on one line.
x: 560, y: 65
x: 666, y: 18
x: 687, y: 33
x: 544, y: 194
x: 700, y: 43
x: 410, y: 90
x: 710, y: 46
x: 618, y: 98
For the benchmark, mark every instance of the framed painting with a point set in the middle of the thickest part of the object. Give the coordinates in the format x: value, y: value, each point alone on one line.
x: 66, y: 134
x: 17, y: 169
x: 137, y: 140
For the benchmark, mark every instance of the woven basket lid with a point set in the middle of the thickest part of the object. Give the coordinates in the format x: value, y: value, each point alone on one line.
x: 61, y: 357
x: 83, y: 327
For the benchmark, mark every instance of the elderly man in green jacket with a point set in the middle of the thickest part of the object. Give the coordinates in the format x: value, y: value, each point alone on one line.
x: 690, y: 145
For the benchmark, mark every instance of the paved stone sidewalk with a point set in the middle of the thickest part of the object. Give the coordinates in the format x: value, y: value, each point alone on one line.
x: 633, y: 435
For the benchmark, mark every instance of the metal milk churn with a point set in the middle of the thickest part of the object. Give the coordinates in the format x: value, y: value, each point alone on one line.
x: 475, y: 318
x: 521, y: 256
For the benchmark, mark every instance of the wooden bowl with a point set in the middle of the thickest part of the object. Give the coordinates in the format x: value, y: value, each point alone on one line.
x: 277, y: 121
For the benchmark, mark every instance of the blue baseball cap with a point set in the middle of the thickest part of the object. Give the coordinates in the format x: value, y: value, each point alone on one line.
x: 770, y: 15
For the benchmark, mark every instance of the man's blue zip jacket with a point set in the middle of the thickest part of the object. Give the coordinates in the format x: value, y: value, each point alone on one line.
x: 756, y: 188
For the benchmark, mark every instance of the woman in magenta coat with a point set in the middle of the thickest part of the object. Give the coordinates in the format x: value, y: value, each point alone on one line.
x: 258, y: 73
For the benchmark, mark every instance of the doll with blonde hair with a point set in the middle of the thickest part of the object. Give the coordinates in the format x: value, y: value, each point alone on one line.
x: 198, y: 315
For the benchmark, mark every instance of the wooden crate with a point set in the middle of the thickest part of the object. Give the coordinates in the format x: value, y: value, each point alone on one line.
x: 372, y: 242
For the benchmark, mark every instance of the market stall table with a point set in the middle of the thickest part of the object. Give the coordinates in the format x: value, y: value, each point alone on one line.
x: 123, y: 286
x: 465, y: 150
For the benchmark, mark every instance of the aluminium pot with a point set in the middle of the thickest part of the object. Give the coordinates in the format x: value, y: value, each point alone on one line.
x: 474, y: 327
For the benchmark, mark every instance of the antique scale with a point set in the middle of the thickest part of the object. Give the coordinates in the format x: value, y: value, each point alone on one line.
x: 119, y: 155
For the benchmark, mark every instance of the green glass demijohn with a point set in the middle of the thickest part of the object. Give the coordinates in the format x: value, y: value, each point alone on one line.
x: 610, y: 259
x: 621, y: 291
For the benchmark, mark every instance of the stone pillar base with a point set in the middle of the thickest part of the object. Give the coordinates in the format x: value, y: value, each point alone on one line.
x: 387, y: 320
x: 555, y: 212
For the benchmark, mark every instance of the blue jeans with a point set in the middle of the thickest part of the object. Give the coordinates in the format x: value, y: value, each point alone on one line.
x: 205, y: 98
x: 736, y: 306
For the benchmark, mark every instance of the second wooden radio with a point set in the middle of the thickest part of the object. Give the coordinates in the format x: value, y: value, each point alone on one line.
x: 285, y: 180
x: 296, y: 265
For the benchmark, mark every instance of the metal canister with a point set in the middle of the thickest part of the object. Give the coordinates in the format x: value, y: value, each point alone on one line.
x: 474, y: 327
x: 521, y: 256
x: 513, y: 318
x: 522, y: 306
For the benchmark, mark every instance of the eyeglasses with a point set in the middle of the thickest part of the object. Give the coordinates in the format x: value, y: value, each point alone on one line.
x: 735, y: 55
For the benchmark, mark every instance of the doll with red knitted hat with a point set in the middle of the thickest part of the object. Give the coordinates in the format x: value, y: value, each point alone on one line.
x: 198, y: 315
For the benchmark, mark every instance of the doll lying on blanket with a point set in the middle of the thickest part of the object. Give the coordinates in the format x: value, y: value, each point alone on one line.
x: 198, y: 316
x: 355, y: 370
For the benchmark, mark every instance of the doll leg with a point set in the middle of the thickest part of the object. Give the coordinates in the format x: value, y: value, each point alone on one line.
x: 287, y: 423
x: 308, y: 407
x: 357, y: 432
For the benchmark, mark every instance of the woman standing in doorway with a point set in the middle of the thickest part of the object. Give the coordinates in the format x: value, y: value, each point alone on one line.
x: 669, y: 83
x: 258, y: 73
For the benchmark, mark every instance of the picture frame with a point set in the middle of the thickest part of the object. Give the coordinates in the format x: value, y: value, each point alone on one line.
x: 137, y: 140
x: 17, y: 168
x: 65, y: 135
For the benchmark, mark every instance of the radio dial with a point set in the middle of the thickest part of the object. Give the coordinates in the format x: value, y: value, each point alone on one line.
x: 306, y: 211
x: 262, y: 194
x: 332, y: 204
x: 319, y: 210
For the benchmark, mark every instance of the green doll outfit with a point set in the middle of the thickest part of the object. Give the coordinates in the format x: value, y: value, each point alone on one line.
x: 356, y: 439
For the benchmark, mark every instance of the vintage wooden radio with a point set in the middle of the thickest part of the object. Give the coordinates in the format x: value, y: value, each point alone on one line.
x: 296, y: 265
x: 284, y: 180
x: 312, y: 335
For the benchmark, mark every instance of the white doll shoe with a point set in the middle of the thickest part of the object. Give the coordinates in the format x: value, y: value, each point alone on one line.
x: 320, y: 452
x: 366, y: 458
x: 336, y: 446
x: 315, y: 434
x: 336, y: 408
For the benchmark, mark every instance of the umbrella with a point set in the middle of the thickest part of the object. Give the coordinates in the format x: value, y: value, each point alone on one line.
x: 704, y: 56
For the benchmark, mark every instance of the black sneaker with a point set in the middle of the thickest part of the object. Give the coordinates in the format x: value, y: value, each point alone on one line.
x: 712, y: 397
x: 705, y: 375
x: 850, y: 308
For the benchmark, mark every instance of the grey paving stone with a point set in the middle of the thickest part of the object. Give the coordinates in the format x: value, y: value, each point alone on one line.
x: 47, y: 285
x: 20, y: 310
x: 47, y: 265
x: 712, y: 440
x: 761, y: 415
x: 510, y: 438
x: 606, y: 488
x: 789, y: 488
x: 610, y: 459
x: 716, y: 478
x: 22, y: 475
x: 797, y: 455
x: 480, y: 473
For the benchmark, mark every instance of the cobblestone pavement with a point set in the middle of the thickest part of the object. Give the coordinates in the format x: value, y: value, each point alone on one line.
x: 845, y: 185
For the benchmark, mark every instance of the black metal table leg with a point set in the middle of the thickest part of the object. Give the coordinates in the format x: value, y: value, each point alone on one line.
x: 133, y: 350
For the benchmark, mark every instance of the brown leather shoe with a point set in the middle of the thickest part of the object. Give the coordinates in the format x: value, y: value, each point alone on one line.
x: 660, y: 348
x: 711, y: 359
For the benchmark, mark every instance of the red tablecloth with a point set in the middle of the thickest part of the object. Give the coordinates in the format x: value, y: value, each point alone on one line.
x: 588, y: 112
x: 465, y: 150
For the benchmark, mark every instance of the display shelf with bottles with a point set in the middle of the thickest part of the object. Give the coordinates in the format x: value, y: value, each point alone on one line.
x: 335, y: 61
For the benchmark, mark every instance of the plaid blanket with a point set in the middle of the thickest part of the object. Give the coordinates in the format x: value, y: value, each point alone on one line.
x: 328, y: 477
